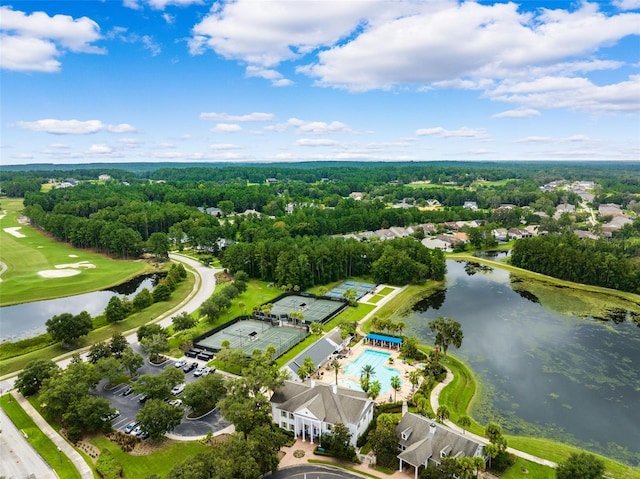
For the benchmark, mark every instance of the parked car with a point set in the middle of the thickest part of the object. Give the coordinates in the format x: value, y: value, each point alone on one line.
x: 190, y: 367
x: 180, y: 363
x: 203, y: 371
x: 128, y: 390
x: 176, y: 402
x: 177, y: 389
x: 111, y: 415
x: 136, y: 430
x: 130, y: 427
x: 143, y: 398
x: 144, y: 435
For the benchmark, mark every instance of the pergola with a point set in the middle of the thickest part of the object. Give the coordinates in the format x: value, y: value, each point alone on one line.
x: 384, y: 341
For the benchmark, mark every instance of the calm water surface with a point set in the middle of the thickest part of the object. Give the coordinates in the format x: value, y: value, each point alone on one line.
x: 27, y: 320
x: 544, y: 373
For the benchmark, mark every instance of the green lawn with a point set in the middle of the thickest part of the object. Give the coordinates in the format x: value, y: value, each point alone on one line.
x: 159, y: 462
x: 524, y: 469
x: 385, y: 291
x: 41, y: 443
x: 375, y: 299
x: 35, y: 252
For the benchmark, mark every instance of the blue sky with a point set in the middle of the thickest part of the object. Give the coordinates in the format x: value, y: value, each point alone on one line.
x: 298, y: 80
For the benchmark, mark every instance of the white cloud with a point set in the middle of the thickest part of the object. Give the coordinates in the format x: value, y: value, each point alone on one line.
x: 627, y: 4
x: 160, y: 4
x: 255, y: 116
x: 226, y: 127
x: 32, y: 42
x: 129, y: 142
x: 74, y: 127
x: 60, y: 146
x: 100, y: 149
x: 224, y: 146
x: 168, y: 18
x: 519, y: 113
x: 550, y: 140
x: 274, y: 76
x: 147, y: 41
x: 464, y: 133
x: 316, y: 142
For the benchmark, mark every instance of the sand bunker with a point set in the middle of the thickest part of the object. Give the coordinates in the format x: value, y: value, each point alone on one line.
x: 14, y: 231
x: 65, y: 270
x: 58, y: 273
x: 81, y: 264
x: 73, y: 256
x: 2, y: 216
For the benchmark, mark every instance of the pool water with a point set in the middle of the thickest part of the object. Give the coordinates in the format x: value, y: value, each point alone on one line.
x: 377, y: 359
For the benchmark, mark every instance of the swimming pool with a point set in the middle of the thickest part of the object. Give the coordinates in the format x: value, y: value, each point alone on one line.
x: 377, y: 359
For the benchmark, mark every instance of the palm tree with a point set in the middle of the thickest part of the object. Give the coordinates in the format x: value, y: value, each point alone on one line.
x: 480, y: 465
x: 491, y: 450
x: 374, y: 389
x: 465, y: 422
x: 367, y: 371
x: 396, y: 384
x: 414, y: 378
x: 443, y: 413
x: 335, y: 365
x: 400, y: 327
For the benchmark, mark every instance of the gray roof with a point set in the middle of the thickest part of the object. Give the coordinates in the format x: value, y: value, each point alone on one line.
x: 345, y: 406
x: 426, y: 439
x: 319, y: 351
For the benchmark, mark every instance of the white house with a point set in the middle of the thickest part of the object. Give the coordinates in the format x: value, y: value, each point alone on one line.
x: 424, y: 442
x: 310, y: 409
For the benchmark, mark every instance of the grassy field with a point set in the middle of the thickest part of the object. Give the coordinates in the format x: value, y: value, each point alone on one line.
x: 26, y: 256
x: 159, y: 462
x: 41, y: 443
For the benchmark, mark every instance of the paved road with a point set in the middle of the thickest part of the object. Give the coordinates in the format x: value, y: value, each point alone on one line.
x: 312, y: 472
x: 17, y: 457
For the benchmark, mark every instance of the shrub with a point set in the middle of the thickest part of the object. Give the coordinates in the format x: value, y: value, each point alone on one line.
x: 107, y: 465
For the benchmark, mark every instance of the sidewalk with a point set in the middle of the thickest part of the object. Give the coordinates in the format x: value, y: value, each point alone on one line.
x: 73, y: 455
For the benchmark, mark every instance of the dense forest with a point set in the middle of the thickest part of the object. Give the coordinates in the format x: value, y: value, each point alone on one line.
x: 612, y: 264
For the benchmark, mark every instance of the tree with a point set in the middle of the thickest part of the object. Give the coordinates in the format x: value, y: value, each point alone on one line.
x: 493, y: 431
x: 210, y: 309
x: 162, y: 292
x: 443, y: 413
x: 374, y: 389
x: 335, y: 365
x: 479, y: 464
x: 582, y: 465
x: 396, y: 384
x: 98, y: 351
x: 31, y: 378
x: 262, y: 372
x: 414, y: 378
x: 464, y: 422
x: 142, y: 300
x: 448, y: 332
x: 154, y: 346
x: 148, y: 330
x: 110, y: 368
x: 307, y: 369
x: 158, y: 386
x: 204, y: 394
x: 67, y: 328
x: 409, y: 347
x: 183, y: 321
x: 315, y: 328
x: 339, y: 442
x: 247, y: 412
x: 115, y: 310
x: 491, y: 450
x: 158, y: 417
x: 383, y: 440
x: 131, y: 361
x: 158, y: 244
x: 118, y: 344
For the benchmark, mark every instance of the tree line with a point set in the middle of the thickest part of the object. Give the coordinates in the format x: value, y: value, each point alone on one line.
x: 611, y: 264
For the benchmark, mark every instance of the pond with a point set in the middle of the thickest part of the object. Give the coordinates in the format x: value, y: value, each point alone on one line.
x: 553, y: 361
x: 27, y: 320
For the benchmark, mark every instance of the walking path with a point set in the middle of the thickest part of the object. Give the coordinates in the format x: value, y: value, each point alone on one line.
x: 63, y: 446
x: 435, y: 403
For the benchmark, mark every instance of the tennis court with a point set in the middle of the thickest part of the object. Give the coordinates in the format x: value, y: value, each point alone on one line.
x: 250, y: 334
x: 314, y: 309
x: 360, y: 288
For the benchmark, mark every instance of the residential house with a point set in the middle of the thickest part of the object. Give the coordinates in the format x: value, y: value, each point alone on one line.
x: 385, y: 234
x: 310, y: 409
x: 433, y: 203
x: 435, y: 243
x: 609, y: 209
x: 519, y: 233
x: 399, y: 231
x: 271, y: 181
x: 104, y: 177
x: 356, y: 195
x: 584, y: 234
x: 501, y: 234
x: 470, y: 205
x: 217, y: 212
x: 423, y: 442
x: 616, y: 223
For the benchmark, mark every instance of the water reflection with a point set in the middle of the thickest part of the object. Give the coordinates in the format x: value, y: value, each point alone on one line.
x: 27, y: 320
x: 547, y: 372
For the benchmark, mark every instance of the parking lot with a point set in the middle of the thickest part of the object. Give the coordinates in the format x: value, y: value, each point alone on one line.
x: 128, y: 405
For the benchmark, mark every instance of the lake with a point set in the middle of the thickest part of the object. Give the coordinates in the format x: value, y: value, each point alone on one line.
x: 553, y: 361
x: 27, y: 320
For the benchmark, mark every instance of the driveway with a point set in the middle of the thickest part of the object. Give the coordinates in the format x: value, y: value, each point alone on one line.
x: 312, y: 472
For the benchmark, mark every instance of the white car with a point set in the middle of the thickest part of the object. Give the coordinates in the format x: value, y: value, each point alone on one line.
x: 180, y: 363
x: 177, y: 389
x: 201, y: 371
x: 176, y: 402
x: 136, y: 430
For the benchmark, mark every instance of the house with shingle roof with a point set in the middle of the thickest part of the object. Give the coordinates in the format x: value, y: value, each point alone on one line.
x: 424, y: 443
x: 310, y: 409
